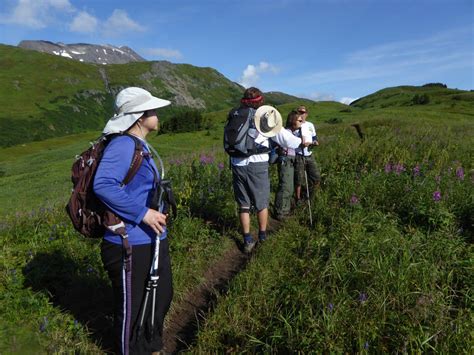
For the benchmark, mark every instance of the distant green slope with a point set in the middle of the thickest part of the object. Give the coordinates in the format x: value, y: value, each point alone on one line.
x: 280, y: 98
x: 437, y: 98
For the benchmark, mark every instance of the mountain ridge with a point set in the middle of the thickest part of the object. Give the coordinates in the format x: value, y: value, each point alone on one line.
x: 85, y: 52
x: 44, y: 96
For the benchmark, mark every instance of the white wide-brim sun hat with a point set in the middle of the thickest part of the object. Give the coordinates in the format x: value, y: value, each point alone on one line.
x: 130, y: 104
x: 268, y: 121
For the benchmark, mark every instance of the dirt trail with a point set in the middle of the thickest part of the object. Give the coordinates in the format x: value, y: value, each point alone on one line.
x: 191, y: 312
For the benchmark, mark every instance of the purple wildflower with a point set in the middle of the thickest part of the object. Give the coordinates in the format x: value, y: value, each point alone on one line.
x: 366, y: 345
x: 460, y: 173
x: 354, y: 200
x: 43, y: 325
x: 204, y: 159
x: 388, y: 168
x: 399, y: 168
x: 90, y: 269
x: 437, y: 196
x: 330, y: 307
x: 363, y: 297
x: 416, y: 170
x: 220, y: 166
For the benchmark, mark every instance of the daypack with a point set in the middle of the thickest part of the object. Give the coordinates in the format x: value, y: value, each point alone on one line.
x: 88, y: 214
x: 240, y: 133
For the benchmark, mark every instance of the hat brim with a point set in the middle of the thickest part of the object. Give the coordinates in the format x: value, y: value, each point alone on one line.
x: 151, y: 104
x: 260, y: 113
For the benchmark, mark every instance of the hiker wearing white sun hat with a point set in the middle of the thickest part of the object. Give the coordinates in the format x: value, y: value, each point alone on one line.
x: 248, y: 149
x: 130, y: 105
x: 128, y: 268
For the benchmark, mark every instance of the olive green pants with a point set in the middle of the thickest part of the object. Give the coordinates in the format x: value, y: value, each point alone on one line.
x: 286, y: 186
x: 308, y: 164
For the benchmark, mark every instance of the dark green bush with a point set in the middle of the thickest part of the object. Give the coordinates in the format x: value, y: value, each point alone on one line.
x: 420, y: 99
x: 185, y: 120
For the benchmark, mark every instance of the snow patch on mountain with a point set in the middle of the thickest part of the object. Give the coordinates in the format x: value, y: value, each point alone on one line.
x: 84, y: 52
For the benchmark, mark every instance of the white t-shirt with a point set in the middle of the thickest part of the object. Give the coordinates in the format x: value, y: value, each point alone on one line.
x: 308, y: 131
x: 284, y: 138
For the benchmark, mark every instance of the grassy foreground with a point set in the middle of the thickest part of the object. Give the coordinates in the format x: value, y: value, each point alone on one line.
x: 55, y: 296
x: 387, y: 266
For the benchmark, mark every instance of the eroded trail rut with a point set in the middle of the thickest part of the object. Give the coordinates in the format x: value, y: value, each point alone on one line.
x: 190, y: 313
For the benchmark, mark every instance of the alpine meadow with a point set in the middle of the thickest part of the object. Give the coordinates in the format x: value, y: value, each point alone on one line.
x: 385, y: 267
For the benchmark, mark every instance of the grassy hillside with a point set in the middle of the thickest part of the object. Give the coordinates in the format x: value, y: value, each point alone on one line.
x: 279, y: 98
x: 433, y: 97
x: 44, y: 96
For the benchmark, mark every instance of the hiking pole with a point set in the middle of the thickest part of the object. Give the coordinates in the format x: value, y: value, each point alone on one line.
x: 152, y: 283
x: 307, y: 197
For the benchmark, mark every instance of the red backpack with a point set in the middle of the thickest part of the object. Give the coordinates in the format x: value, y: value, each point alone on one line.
x: 88, y: 214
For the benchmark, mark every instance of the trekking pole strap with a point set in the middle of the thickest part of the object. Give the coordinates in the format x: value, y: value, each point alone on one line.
x: 127, y: 253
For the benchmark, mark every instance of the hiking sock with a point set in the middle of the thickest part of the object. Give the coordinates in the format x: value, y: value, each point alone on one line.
x: 248, y: 238
x: 262, y: 235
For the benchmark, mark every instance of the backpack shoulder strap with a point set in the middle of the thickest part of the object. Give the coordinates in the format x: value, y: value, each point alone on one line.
x: 137, y: 159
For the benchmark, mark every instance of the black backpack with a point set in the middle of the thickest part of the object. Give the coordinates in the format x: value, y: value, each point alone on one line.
x: 240, y: 133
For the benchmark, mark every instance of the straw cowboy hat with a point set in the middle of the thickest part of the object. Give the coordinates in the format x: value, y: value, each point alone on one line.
x: 130, y: 104
x: 268, y: 121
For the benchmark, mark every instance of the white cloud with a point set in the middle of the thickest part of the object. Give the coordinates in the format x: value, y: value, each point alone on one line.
x: 84, y: 23
x: 164, y: 53
x: 347, y: 100
x: 36, y: 13
x: 251, y: 73
x: 119, y: 22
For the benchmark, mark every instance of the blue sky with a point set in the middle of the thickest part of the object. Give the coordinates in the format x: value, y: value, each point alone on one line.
x: 320, y: 49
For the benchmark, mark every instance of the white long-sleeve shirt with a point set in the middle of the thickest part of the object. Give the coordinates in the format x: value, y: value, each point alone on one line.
x: 284, y: 139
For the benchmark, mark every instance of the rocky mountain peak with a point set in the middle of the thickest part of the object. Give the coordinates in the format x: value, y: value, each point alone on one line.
x: 84, y: 52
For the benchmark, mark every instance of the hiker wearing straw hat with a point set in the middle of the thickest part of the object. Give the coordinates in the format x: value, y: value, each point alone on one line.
x: 306, y: 167
x: 247, y: 135
x: 128, y: 267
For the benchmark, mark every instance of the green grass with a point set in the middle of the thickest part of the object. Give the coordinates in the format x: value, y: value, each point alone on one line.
x: 385, y: 268
x: 55, y: 294
x: 38, y: 174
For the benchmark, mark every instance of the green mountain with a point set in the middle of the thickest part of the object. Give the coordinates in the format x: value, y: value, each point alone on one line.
x: 43, y: 95
x: 433, y: 96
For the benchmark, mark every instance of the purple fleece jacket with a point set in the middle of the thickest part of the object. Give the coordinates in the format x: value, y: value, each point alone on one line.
x: 130, y: 201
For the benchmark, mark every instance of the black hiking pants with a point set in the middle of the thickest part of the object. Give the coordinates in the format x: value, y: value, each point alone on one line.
x: 129, y: 291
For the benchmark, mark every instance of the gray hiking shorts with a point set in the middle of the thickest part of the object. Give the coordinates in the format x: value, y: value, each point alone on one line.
x: 251, y: 185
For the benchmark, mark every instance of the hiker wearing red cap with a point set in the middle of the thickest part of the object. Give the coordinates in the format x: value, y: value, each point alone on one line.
x: 247, y: 135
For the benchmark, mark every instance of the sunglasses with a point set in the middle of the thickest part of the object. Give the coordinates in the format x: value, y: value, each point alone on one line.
x: 302, y: 112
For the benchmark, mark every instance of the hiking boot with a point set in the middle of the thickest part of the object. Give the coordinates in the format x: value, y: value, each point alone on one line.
x: 248, y: 246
